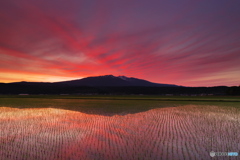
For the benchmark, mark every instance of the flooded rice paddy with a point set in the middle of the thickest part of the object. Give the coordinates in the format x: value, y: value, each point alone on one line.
x: 116, y: 129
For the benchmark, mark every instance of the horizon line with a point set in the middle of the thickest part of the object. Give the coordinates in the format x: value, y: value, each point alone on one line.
x: 109, y: 75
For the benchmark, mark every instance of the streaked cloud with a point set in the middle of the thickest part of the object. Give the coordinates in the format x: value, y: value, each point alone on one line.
x: 191, y: 43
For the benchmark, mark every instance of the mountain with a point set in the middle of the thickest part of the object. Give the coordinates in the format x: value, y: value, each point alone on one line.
x: 108, y: 84
x: 113, y: 81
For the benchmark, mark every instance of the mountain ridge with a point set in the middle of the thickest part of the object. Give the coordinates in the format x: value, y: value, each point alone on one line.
x: 110, y: 80
x: 107, y: 84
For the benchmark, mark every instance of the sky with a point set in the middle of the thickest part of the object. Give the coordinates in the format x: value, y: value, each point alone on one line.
x: 183, y: 42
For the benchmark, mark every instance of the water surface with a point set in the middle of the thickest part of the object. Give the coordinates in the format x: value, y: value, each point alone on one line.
x: 118, y: 129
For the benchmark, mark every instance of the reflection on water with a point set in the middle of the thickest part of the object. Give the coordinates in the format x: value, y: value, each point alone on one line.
x: 100, y: 107
x: 184, y: 132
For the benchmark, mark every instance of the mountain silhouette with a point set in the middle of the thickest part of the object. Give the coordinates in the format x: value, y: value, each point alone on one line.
x: 110, y: 80
x: 107, y: 84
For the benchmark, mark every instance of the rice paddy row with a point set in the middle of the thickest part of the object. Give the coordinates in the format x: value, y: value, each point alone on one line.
x: 184, y: 132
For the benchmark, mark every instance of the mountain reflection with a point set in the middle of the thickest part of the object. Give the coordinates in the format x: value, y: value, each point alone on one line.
x: 160, y: 133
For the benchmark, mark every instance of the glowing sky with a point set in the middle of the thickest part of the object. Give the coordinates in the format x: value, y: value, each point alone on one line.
x: 187, y: 42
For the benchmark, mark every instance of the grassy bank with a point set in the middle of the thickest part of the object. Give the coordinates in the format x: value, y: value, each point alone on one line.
x: 132, y: 97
